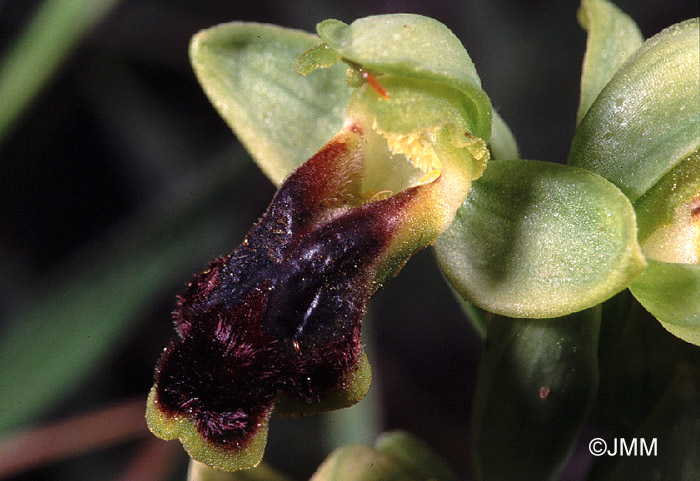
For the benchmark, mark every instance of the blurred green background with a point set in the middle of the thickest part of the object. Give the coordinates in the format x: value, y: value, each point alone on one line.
x: 118, y: 180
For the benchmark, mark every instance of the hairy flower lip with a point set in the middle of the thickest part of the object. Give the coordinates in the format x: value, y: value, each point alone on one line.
x: 279, y: 320
x: 276, y: 325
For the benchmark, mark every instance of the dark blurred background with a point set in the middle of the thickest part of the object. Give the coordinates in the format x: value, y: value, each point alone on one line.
x: 120, y: 156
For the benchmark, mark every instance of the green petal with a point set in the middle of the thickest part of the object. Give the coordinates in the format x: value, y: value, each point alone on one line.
x: 668, y: 217
x: 647, y: 118
x: 282, y: 118
x: 411, y: 46
x: 669, y: 233
x: 536, y: 382
x: 670, y: 292
x: 612, y: 37
x: 536, y: 239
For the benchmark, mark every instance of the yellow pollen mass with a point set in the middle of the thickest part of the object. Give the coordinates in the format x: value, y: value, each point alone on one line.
x: 417, y: 147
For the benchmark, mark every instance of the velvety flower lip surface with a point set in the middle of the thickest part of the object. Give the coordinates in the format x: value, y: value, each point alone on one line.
x: 276, y: 325
x: 281, y: 315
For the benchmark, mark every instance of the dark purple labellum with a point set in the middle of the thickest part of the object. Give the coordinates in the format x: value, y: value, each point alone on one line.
x: 282, y: 314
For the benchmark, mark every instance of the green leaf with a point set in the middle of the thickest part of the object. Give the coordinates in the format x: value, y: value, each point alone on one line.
x: 637, y: 359
x: 670, y: 435
x: 670, y: 292
x: 536, y: 382
x: 536, y: 239
x: 612, y: 37
x: 647, y: 118
x: 282, y: 118
x: 411, y: 46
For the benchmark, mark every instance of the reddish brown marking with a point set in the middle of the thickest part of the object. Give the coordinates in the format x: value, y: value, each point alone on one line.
x: 544, y: 392
x: 374, y: 83
x: 695, y: 208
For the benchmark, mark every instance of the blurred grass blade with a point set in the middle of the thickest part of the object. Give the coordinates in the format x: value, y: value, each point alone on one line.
x: 54, y: 340
x: 108, y: 426
x: 53, y: 32
x: 612, y: 37
x: 536, y: 239
x: 282, y: 117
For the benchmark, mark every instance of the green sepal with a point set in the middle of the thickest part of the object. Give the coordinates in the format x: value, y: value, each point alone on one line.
x: 536, y: 239
x: 411, y: 46
x: 536, y: 382
x: 671, y: 292
x: 184, y: 429
x: 612, y: 38
x: 282, y: 118
x: 647, y: 118
x: 353, y: 389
